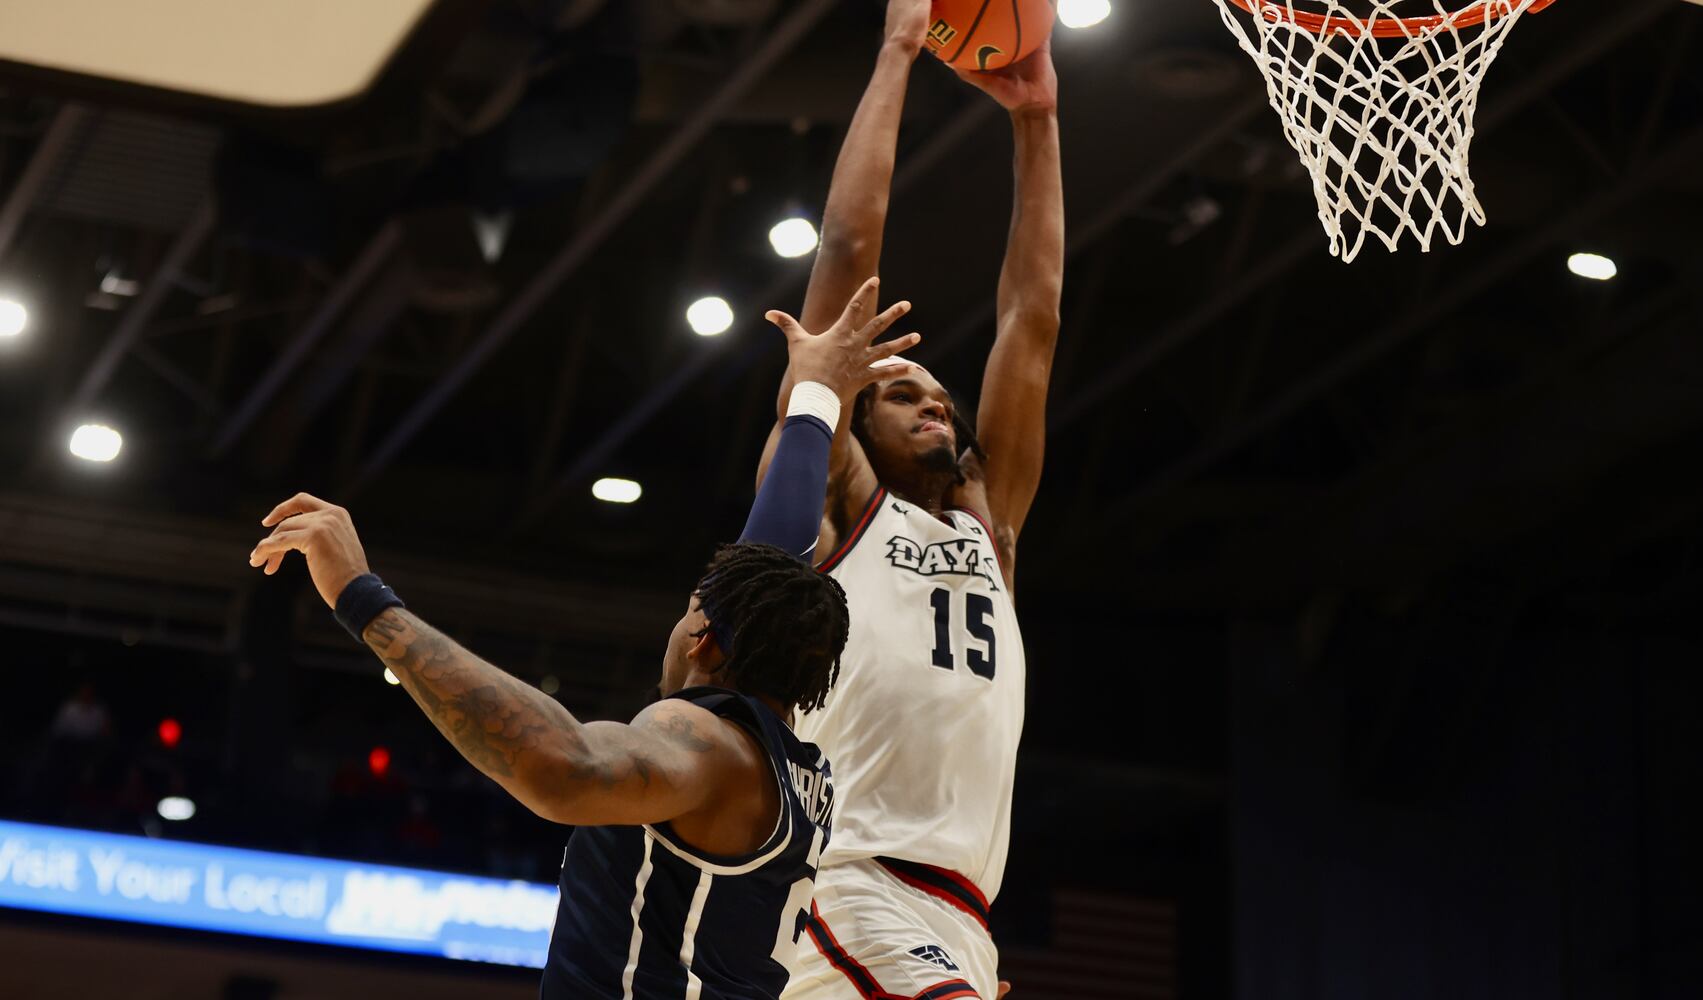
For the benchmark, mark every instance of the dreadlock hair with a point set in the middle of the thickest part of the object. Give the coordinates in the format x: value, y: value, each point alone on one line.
x: 780, y: 623
x: 963, y: 431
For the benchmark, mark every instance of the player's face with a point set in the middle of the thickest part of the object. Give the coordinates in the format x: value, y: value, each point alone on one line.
x: 910, y: 420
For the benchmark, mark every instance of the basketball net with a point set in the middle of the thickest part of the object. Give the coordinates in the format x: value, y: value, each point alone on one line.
x: 1383, y: 124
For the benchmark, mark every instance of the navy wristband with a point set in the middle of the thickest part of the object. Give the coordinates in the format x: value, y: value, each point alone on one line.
x: 365, y: 598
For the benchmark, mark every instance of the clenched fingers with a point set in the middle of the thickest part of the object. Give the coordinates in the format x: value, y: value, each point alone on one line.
x: 272, y: 549
x: 301, y: 503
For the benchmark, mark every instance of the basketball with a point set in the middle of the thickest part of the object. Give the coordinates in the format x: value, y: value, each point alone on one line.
x: 988, y: 34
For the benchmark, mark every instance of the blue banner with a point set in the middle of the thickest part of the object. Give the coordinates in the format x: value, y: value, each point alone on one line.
x: 263, y: 894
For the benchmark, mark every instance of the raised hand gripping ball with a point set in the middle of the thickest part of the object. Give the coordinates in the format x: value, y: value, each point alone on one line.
x: 988, y: 34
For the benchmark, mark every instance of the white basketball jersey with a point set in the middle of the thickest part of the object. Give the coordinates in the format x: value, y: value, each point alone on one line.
x: 924, y: 721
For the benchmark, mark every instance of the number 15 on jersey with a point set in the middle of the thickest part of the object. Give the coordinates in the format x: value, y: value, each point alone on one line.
x: 976, y: 620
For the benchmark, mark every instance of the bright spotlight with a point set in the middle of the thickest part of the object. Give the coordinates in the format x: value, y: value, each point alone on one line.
x: 176, y: 808
x: 13, y: 318
x: 1083, y: 13
x: 390, y: 678
x: 1593, y: 266
x: 710, y: 316
x: 616, y: 490
x: 96, y: 443
x: 793, y: 237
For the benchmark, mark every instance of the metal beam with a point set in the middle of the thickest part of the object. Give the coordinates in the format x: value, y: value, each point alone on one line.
x: 1656, y: 111
x: 1277, y: 264
x: 65, y: 127
x: 175, y: 377
x: 1682, y: 155
x: 377, y: 251
x: 562, y: 400
x: 135, y: 319
x: 751, y: 69
x: 367, y: 324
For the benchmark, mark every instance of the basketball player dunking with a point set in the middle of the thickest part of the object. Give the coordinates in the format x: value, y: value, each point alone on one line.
x: 701, y: 821
x: 921, y: 529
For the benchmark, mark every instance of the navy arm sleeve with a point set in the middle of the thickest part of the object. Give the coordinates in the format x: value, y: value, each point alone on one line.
x: 788, y: 509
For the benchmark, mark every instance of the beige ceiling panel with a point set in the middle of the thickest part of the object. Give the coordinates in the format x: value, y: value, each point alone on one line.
x: 284, y: 53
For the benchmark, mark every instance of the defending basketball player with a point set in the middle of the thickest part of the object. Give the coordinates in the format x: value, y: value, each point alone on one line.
x: 700, y: 822
x: 921, y: 527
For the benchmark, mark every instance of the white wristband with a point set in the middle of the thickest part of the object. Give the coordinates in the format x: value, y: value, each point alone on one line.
x: 817, y: 400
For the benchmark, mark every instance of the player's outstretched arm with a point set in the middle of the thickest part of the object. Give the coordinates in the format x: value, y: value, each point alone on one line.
x: 855, y: 216
x: 672, y: 759
x: 856, y: 212
x: 1011, y: 416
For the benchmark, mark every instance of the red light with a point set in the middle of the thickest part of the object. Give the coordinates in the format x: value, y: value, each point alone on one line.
x: 378, y: 761
x: 170, y: 733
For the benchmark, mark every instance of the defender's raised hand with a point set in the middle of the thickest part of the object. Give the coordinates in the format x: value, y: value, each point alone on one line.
x: 323, y: 533
x: 845, y: 357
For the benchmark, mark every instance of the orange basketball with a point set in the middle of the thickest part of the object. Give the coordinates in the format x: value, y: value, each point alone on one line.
x: 988, y: 34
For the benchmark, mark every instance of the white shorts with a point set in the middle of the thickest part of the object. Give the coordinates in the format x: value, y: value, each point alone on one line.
x: 891, y: 931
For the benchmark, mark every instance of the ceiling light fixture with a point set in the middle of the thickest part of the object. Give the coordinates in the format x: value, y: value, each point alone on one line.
x: 793, y: 237
x: 611, y: 490
x: 1593, y: 266
x: 13, y: 318
x: 176, y: 808
x: 96, y: 443
x: 1083, y: 13
x: 709, y: 316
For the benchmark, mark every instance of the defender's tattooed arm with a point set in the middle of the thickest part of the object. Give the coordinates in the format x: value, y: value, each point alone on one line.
x: 673, y: 759
x: 526, y: 741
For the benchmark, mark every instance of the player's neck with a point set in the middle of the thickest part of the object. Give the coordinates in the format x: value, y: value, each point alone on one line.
x: 925, y: 481
x: 930, y: 494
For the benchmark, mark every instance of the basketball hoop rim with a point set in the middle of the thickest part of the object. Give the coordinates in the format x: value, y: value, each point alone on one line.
x: 1384, y: 27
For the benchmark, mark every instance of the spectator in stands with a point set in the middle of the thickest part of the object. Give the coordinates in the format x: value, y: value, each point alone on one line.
x: 83, y: 718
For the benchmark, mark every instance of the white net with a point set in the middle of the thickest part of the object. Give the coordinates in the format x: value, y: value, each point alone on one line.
x: 1383, y: 124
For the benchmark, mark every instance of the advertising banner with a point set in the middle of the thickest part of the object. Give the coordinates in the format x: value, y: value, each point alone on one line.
x: 288, y: 896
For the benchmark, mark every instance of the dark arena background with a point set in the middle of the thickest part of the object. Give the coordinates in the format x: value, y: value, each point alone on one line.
x: 1361, y: 602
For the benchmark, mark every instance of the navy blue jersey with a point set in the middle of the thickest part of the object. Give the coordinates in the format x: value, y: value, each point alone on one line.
x: 645, y: 916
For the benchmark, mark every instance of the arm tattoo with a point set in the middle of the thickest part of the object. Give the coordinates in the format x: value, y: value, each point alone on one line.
x: 517, y: 735
x: 497, y: 721
x: 680, y: 731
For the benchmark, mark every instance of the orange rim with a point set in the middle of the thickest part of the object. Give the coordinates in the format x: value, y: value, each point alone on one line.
x: 1384, y: 27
